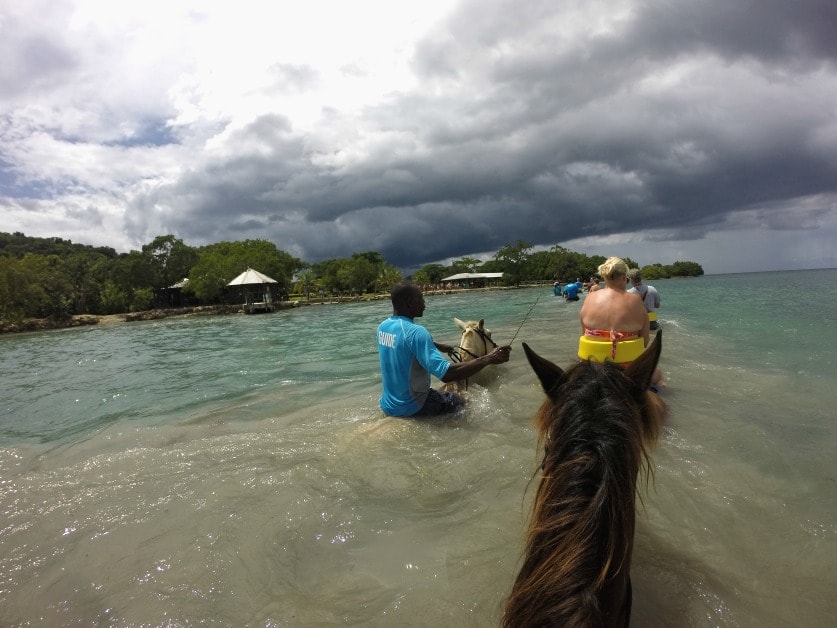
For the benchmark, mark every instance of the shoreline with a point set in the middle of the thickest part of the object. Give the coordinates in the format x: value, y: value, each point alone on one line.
x: 32, y: 325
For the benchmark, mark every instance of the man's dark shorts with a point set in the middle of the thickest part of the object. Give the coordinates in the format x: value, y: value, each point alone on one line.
x: 440, y: 402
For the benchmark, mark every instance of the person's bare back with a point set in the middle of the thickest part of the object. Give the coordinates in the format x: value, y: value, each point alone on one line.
x: 613, y: 309
x: 616, y: 310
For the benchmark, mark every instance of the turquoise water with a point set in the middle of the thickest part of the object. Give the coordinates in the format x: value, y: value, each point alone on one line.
x: 235, y: 470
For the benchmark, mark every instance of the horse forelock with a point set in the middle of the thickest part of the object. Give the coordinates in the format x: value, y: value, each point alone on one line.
x: 595, y: 431
x: 599, y: 396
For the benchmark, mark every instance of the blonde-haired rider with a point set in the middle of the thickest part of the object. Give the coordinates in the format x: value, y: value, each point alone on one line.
x: 614, y: 323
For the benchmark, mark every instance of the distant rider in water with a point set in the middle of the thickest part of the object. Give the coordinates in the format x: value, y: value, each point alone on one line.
x: 650, y: 296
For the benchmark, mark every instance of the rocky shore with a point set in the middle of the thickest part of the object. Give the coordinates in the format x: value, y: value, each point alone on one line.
x: 82, y: 320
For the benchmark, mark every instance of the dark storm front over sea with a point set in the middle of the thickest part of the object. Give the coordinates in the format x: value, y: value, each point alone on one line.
x: 236, y: 470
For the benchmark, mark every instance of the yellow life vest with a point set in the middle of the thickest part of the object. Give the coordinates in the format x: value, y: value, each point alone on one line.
x: 652, y: 316
x: 602, y: 350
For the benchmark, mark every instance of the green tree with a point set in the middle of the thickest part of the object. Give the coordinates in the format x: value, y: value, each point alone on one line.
x: 113, y: 299
x: 493, y: 266
x: 87, y: 272
x: 678, y: 269
x: 306, y: 281
x: 210, y: 275
x: 41, y: 287
x: 373, y: 257
x: 5, y: 294
x: 654, y: 271
x: 513, y: 258
x: 170, y: 260
x: 18, y: 295
x: 220, y: 263
x: 143, y: 299
x: 129, y: 273
x: 539, y: 266
x: 421, y: 278
x: 370, y: 272
x: 327, y: 273
x: 362, y: 272
x: 18, y: 244
x: 433, y: 273
x: 465, y: 265
x: 686, y: 269
x: 357, y: 274
x: 388, y: 276
x: 563, y: 264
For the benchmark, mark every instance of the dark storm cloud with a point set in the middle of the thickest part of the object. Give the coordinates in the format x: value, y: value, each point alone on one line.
x: 772, y: 31
x: 572, y: 137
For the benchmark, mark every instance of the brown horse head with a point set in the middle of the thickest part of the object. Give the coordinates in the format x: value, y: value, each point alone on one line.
x: 596, y: 428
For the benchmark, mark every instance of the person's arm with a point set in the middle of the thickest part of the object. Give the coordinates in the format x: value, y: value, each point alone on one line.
x: 582, y: 312
x: 443, y: 347
x: 645, y: 332
x: 464, y: 370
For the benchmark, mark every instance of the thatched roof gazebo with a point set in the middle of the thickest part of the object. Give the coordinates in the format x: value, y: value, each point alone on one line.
x: 258, y: 289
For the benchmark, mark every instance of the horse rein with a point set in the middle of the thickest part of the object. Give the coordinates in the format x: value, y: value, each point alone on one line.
x: 525, y: 318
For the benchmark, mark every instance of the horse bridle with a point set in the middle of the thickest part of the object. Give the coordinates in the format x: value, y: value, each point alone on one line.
x: 485, y: 339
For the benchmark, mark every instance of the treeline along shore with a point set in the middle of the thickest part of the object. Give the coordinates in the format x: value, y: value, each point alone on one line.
x: 86, y: 320
x: 51, y: 283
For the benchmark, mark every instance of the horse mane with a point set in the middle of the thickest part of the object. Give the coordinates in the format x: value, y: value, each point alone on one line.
x: 596, y: 428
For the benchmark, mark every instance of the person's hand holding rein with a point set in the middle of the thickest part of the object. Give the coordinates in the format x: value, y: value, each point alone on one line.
x: 499, y: 355
x: 463, y: 370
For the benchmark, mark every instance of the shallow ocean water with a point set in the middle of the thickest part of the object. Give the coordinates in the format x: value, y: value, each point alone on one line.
x: 236, y: 470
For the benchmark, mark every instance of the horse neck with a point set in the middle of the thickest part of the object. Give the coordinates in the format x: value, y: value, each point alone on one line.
x: 580, y: 538
x: 575, y: 574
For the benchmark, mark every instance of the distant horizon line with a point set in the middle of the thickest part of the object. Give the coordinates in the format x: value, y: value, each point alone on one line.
x: 778, y: 270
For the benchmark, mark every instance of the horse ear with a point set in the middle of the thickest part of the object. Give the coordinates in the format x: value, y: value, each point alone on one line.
x: 459, y: 323
x: 484, y: 329
x: 550, y: 374
x: 641, y: 370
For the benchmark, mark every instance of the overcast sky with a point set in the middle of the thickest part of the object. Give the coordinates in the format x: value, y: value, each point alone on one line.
x: 427, y: 130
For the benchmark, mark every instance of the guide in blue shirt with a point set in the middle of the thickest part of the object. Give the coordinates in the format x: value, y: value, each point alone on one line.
x: 571, y: 291
x: 409, y: 356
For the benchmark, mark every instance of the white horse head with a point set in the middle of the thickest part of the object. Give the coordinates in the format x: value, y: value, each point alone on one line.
x: 475, y: 342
